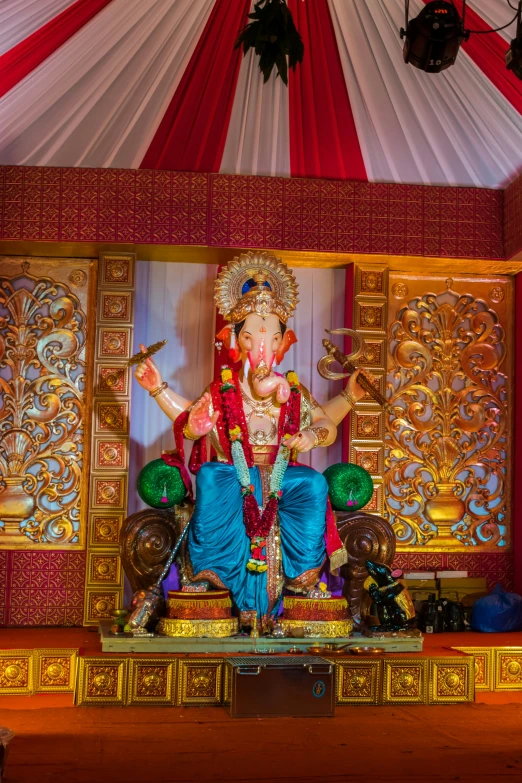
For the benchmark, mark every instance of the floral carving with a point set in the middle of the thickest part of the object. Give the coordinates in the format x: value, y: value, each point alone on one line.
x: 42, y: 378
x: 446, y: 443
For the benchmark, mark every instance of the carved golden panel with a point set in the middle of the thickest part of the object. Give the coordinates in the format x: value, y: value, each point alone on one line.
x: 378, y: 382
x: 117, y: 269
x: 114, y: 343
x: 109, y: 492
x: 101, y: 681
x: 16, y: 672
x: 54, y: 670
x: 101, y: 603
x: 483, y: 666
x: 371, y: 280
x: 370, y: 316
x: 448, y: 441
x: 116, y: 306
x: 376, y: 504
x: 359, y: 682
x: 368, y: 458
x: 451, y: 680
x: 405, y: 682
x: 110, y: 454
x: 508, y: 668
x: 151, y: 681
x: 113, y: 379
x: 111, y: 416
x: 200, y: 682
x: 374, y: 354
x: 367, y: 425
x: 46, y: 335
x: 104, y: 568
x: 105, y: 529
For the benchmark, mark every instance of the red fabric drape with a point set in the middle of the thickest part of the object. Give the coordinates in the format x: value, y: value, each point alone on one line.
x: 348, y: 323
x: 323, y: 136
x: 192, y: 134
x: 517, y: 440
x: 488, y: 53
x: 23, y: 58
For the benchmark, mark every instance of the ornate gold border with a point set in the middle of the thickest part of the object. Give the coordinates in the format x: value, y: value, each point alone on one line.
x: 55, y: 670
x: 111, y: 411
x: 362, y: 669
x: 507, y: 669
x: 16, y: 673
x: 101, y: 681
x: 156, y: 669
x: 208, y: 692
x: 367, y: 423
x: 451, y: 680
x: 413, y: 672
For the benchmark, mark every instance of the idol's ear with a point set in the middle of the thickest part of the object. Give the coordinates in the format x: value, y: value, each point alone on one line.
x: 288, y: 340
x: 225, y: 335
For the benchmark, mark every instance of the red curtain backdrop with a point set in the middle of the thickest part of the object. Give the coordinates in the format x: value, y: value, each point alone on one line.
x: 192, y: 134
x: 488, y: 52
x: 323, y: 136
x: 23, y: 58
x: 517, y: 440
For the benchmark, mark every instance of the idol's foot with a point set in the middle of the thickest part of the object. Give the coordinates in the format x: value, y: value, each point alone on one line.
x: 196, y: 587
x: 319, y: 591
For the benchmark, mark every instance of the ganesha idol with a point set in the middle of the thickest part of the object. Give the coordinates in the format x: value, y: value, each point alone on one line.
x: 262, y: 521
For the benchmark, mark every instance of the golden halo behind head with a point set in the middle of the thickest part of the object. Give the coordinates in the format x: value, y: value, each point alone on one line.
x: 280, y: 299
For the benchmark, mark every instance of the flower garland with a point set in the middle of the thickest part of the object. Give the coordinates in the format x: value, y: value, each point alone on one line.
x: 257, y: 524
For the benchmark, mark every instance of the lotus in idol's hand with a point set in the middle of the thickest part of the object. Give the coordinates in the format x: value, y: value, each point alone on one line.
x: 261, y: 520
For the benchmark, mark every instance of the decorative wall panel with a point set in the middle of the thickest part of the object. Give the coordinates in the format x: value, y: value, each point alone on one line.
x: 102, y: 681
x: 46, y: 316
x: 451, y: 680
x: 368, y: 419
x: 151, y: 681
x: 54, y: 670
x: 448, y: 442
x: 109, y: 457
x: 180, y: 208
x: 200, y: 681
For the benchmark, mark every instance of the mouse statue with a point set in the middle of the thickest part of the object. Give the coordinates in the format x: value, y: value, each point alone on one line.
x: 395, y: 608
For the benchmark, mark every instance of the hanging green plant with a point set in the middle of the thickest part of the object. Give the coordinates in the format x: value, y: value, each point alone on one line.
x: 274, y: 37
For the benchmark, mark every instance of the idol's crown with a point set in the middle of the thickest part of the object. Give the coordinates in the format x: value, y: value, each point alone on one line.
x: 274, y: 289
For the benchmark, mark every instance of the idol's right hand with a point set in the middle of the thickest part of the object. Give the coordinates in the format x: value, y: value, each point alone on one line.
x: 147, y: 374
x: 200, y: 422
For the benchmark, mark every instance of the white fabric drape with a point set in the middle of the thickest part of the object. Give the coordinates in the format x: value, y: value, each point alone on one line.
x: 452, y: 128
x: 98, y: 100
x: 258, y: 140
x: 173, y: 302
x: 496, y: 13
x: 20, y: 18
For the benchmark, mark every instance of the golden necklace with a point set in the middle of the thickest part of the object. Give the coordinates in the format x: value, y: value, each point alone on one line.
x: 262, y: 409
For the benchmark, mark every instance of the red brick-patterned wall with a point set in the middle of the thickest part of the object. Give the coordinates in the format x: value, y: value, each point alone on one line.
x: 162, y: 207
x: 513, y: 218
x: 42, y: 587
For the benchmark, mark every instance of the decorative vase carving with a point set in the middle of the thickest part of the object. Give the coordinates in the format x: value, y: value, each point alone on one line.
x: 42, y: 377
x: 447, y: 446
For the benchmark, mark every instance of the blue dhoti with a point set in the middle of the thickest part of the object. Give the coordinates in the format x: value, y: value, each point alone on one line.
x: 218, y: 542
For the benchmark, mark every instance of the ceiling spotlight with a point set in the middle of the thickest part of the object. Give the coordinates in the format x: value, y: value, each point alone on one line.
x: 514, y: 53
x: 433, y: 38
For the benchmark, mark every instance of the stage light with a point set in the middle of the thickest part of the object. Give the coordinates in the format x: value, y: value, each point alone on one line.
x: 514, y: 53
x: 433, y: 38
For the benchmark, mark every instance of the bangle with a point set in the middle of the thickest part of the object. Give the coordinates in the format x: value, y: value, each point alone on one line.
x: 349, y: 398
x: 158, y: 389
x: 320, y: 434
x: 187, y: 435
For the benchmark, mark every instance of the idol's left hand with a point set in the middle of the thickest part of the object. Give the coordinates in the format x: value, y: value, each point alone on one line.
x: 301, y: 441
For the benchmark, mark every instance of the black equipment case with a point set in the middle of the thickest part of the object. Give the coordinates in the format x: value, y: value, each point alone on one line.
x: 263, y: 686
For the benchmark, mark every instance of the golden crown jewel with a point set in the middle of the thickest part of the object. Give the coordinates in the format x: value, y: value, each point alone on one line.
x: 280, y: 299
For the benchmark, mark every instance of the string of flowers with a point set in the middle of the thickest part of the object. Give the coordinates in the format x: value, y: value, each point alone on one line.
x: 257, y: 524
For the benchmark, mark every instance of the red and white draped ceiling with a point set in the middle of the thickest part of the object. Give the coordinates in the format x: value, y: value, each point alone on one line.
x: 158, y: 84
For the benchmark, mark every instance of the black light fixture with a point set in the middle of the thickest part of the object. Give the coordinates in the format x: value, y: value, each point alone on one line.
x: 434, y: 36
x: 514, y: 53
